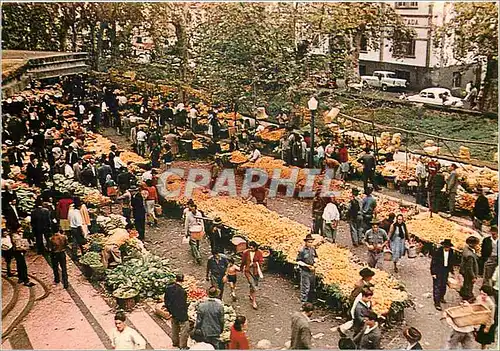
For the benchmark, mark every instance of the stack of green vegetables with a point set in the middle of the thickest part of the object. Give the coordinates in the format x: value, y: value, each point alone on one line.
x: 92, y: 259
x: 25, y: 199
x: 148, y: 275
x: 63, y: 184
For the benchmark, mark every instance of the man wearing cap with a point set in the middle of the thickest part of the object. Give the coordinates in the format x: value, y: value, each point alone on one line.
x: 375, y: 239
x: 216, y: 270
x: 442, y: 263
x: 305, y: 259
x: 489, y: 255
x: 365, y: 282
x: 413, y: 336
x: 469, y: 267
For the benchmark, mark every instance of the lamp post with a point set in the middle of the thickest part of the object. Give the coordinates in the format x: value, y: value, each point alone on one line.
x: 313, y: 105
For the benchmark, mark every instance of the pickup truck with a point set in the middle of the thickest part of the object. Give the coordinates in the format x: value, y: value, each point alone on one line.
x: 384, y: 80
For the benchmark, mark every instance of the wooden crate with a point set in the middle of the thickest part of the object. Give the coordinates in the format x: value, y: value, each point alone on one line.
x: 469, y: 315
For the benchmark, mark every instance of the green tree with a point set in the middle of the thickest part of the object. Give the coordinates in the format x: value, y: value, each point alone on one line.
x: 473, y: 33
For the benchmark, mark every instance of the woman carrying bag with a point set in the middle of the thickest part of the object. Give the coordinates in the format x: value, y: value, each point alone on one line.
x: 398, y: 234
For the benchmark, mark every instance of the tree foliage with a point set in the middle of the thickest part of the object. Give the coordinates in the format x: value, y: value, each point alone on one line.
x: 472, y: 33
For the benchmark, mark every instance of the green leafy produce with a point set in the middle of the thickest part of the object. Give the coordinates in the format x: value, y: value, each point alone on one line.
x: 96, y: 242
x: 229, y: 317
x: 25, y: 199
x: 148, y: 275
x: 92, y: 259
x: 125, y: 293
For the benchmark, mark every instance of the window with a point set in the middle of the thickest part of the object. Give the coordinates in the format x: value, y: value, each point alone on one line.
x: 423, y: 94
x: 431, y: 95
x: 407, y: 5
x: 457, y: 79
x: 364, y: 44
x: 410, y: 48
x: 139, y: 40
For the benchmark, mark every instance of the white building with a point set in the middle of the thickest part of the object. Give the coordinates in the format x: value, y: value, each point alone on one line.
x: 423, y: 64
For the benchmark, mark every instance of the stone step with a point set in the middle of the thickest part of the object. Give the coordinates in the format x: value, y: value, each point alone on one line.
x: 24, y: 303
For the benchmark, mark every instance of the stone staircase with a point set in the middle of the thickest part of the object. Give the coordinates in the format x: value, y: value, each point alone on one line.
x: 41, y: 65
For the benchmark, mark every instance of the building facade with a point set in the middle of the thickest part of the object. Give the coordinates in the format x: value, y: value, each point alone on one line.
x: 422, y: 64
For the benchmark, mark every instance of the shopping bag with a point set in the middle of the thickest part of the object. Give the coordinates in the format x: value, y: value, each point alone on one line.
x: 185, y: 240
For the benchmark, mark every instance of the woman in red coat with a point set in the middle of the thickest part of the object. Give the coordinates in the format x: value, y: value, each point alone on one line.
x: 238, y: 340
x: 251, y: 262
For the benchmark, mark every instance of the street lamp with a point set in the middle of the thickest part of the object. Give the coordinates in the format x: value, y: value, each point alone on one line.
x: 313, y: 105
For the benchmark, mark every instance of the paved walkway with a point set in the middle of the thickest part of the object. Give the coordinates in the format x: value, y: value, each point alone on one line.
x: 47, y: 316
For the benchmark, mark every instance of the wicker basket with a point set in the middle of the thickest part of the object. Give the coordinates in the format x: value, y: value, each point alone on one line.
x: 158, y: 210
x: 469, y: 315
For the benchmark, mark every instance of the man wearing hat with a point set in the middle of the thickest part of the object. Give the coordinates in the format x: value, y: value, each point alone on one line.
x: 413, y: 335
x: 375, y: 239
x: 442, y: 263
x: 215, y: 236
x: 469, y: 267
x: 305, y: 259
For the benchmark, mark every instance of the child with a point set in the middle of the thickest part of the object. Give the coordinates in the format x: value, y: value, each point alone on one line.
x: 231, y: 272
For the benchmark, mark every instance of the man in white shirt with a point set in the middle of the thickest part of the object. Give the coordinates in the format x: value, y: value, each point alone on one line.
x: 331, y: 218
x: 193, y: 117
x: 255, y: 154
x: 118, y: 162
x: 141, y: 142
x: 76, y: 224
x: 125, y: 338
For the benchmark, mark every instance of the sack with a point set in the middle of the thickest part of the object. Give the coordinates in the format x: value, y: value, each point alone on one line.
x: 346, y: 326
x: 21, y: 244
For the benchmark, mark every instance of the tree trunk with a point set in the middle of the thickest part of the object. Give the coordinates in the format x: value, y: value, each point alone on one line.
x: 489, y: 100
x: 182, y: 46
x: 98, y: 52
x: 92, y: 47
x: 352, y: 71
x: 73, y: 37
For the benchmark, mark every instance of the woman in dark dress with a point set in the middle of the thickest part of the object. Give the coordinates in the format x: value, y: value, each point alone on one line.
x: 486, y: 334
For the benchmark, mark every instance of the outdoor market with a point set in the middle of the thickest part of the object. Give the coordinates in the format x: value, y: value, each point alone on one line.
x: 178, y: 219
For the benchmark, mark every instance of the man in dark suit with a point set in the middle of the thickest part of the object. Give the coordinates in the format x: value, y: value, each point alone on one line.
x: 16, y: 156
x: 489, y: 255
x: 89, y: 175
x: 176, y: 304
x: 71, y: 156
x: 102, y: 173
x: 469, y: 267
x: 11, y: 215
x: 441, y: 264
x: 41, y: 225
x: 139, y: 212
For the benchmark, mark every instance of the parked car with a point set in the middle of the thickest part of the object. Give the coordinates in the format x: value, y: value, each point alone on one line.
x: 384, y: 80
x: 437, y: 96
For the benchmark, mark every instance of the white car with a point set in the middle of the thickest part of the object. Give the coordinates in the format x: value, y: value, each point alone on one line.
x: 384, y: 80
x: 437, y: 96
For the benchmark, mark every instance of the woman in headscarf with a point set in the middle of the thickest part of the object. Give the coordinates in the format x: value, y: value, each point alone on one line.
x: 398, y: 234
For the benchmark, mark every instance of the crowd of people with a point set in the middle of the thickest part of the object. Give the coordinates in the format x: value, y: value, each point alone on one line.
x: 159, y: 132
